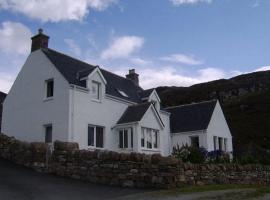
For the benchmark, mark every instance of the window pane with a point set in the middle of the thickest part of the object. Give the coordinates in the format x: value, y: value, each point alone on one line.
x: 149, y: 138
x: 96, y: 90
x: 91, y: 131
x: 121, y: 139
x: 142, y: 137
x: 125, y: 138
x: 220, y: 144
x: 225, y: 144
x: 99, y: 137
x: 155, y: 139
x: 50, y: 88
x: 215, y: 142
x: 48, y: 134
x: 131, y: 137
x: 195, y: 141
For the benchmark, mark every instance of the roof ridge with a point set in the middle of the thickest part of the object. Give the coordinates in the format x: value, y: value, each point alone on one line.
x: 191, y: 104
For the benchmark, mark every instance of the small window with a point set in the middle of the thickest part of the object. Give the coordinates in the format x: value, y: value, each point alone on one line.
x: 225, y: 144
x: 143, y: 138
x: 48, y: 134
x: 126, y: 138
x: 194, y: 141
x: 96, y: 136
x: 49, y: 88
x: 96, y: 90
x: 122, y: 93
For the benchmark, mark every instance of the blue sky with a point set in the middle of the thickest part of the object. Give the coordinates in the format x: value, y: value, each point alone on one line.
x: 168, y: 42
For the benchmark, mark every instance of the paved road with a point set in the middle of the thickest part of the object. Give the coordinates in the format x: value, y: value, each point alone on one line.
x: 19, y: 183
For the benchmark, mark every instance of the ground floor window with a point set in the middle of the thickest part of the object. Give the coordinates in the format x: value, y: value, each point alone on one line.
x: 126, y: 138
x: 48, y: 133
x: 149, y: 138
x: 95, y: 136
x: 220, y: 143
x: 194, y: 141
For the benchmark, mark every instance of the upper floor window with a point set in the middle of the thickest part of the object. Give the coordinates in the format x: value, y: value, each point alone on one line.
x: 49, y: 88
x: 149, y: 138
x: 96, y: 90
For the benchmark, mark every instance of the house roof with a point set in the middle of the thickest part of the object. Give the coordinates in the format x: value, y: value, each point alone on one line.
x: 191, y: 117
x: 134, y: 113
x: 73, y: 69
x: 146, y: 93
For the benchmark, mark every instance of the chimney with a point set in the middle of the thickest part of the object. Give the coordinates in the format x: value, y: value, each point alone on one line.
x: 133, y: 76
x: 39, y: 41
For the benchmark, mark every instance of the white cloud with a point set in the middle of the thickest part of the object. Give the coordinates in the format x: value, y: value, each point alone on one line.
x: 123, y: 47
x: 74, y: 47
x: 168, y: 76
x: 15, y: 38
x: 6, y: 81
x: 182, y: 58
x: 182, y: 2
x: 55, y: 10
x: 140, y: 62
x: 264, y: 68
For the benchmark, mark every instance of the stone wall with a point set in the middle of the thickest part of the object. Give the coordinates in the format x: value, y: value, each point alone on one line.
x: 127, y: 170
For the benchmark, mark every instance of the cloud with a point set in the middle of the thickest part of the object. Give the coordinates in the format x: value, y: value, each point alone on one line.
x: 15, y: 38
x: 169, y: 76
x: 55, y: 10
x: 264, y: 68
x: 6, y: 81
x: 73, y: 46
x: 182, y: 58
x: 183, y: 2
x: 140, y: 62
x: 123, y: 47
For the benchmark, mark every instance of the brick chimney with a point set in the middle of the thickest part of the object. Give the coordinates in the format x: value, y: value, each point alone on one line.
x: 133, y: 76
x: 39, y: 41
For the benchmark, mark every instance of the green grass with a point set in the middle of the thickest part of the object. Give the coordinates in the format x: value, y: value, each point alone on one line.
x: 247, y: 191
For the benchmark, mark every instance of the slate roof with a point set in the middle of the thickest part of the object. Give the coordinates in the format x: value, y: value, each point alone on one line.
x: 191, y: 117
x: 134, y: 113
x: 146, y: 93
x: 73, y: 69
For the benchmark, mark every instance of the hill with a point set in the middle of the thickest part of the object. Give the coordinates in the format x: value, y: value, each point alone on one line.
x: 2, y: 98
x: 246, y: 103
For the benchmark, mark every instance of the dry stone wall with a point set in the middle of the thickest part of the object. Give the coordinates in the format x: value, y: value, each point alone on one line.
x: 127, y: 170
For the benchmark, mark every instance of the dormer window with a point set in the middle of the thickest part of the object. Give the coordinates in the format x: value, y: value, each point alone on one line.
x: 96, y: 90
x: 49, y: 88
x: 122, y: 93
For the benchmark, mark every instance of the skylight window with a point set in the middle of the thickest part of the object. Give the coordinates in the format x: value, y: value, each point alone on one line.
x: 122, y: 93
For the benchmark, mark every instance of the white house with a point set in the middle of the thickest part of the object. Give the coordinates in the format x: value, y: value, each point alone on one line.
x: 57, y: 97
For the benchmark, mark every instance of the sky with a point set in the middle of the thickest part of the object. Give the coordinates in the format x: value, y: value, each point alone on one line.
x: 168, y: 42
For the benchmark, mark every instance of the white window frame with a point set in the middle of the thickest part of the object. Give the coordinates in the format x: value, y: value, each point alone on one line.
x: 95, y: 136
x: 45, y: 134
x: 46, y: 97
x: 130, y: 138
x: 97, y: 96
x: 144, y: 135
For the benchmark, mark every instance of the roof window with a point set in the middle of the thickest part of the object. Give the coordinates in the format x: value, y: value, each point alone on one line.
x: 122, y: 93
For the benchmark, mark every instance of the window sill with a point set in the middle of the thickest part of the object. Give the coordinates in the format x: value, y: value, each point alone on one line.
x: 96, y: 100
x: 153, y: 150
x: 92, y: 148
x: 48, y: 99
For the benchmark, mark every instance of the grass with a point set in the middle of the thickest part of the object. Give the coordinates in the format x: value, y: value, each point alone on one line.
x: 245, y: 192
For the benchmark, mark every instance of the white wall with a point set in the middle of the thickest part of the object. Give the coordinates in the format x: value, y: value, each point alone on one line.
x: 25, y: 112
x: 105, y: 113
x: 184, y: 138
x: 218, y: 127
